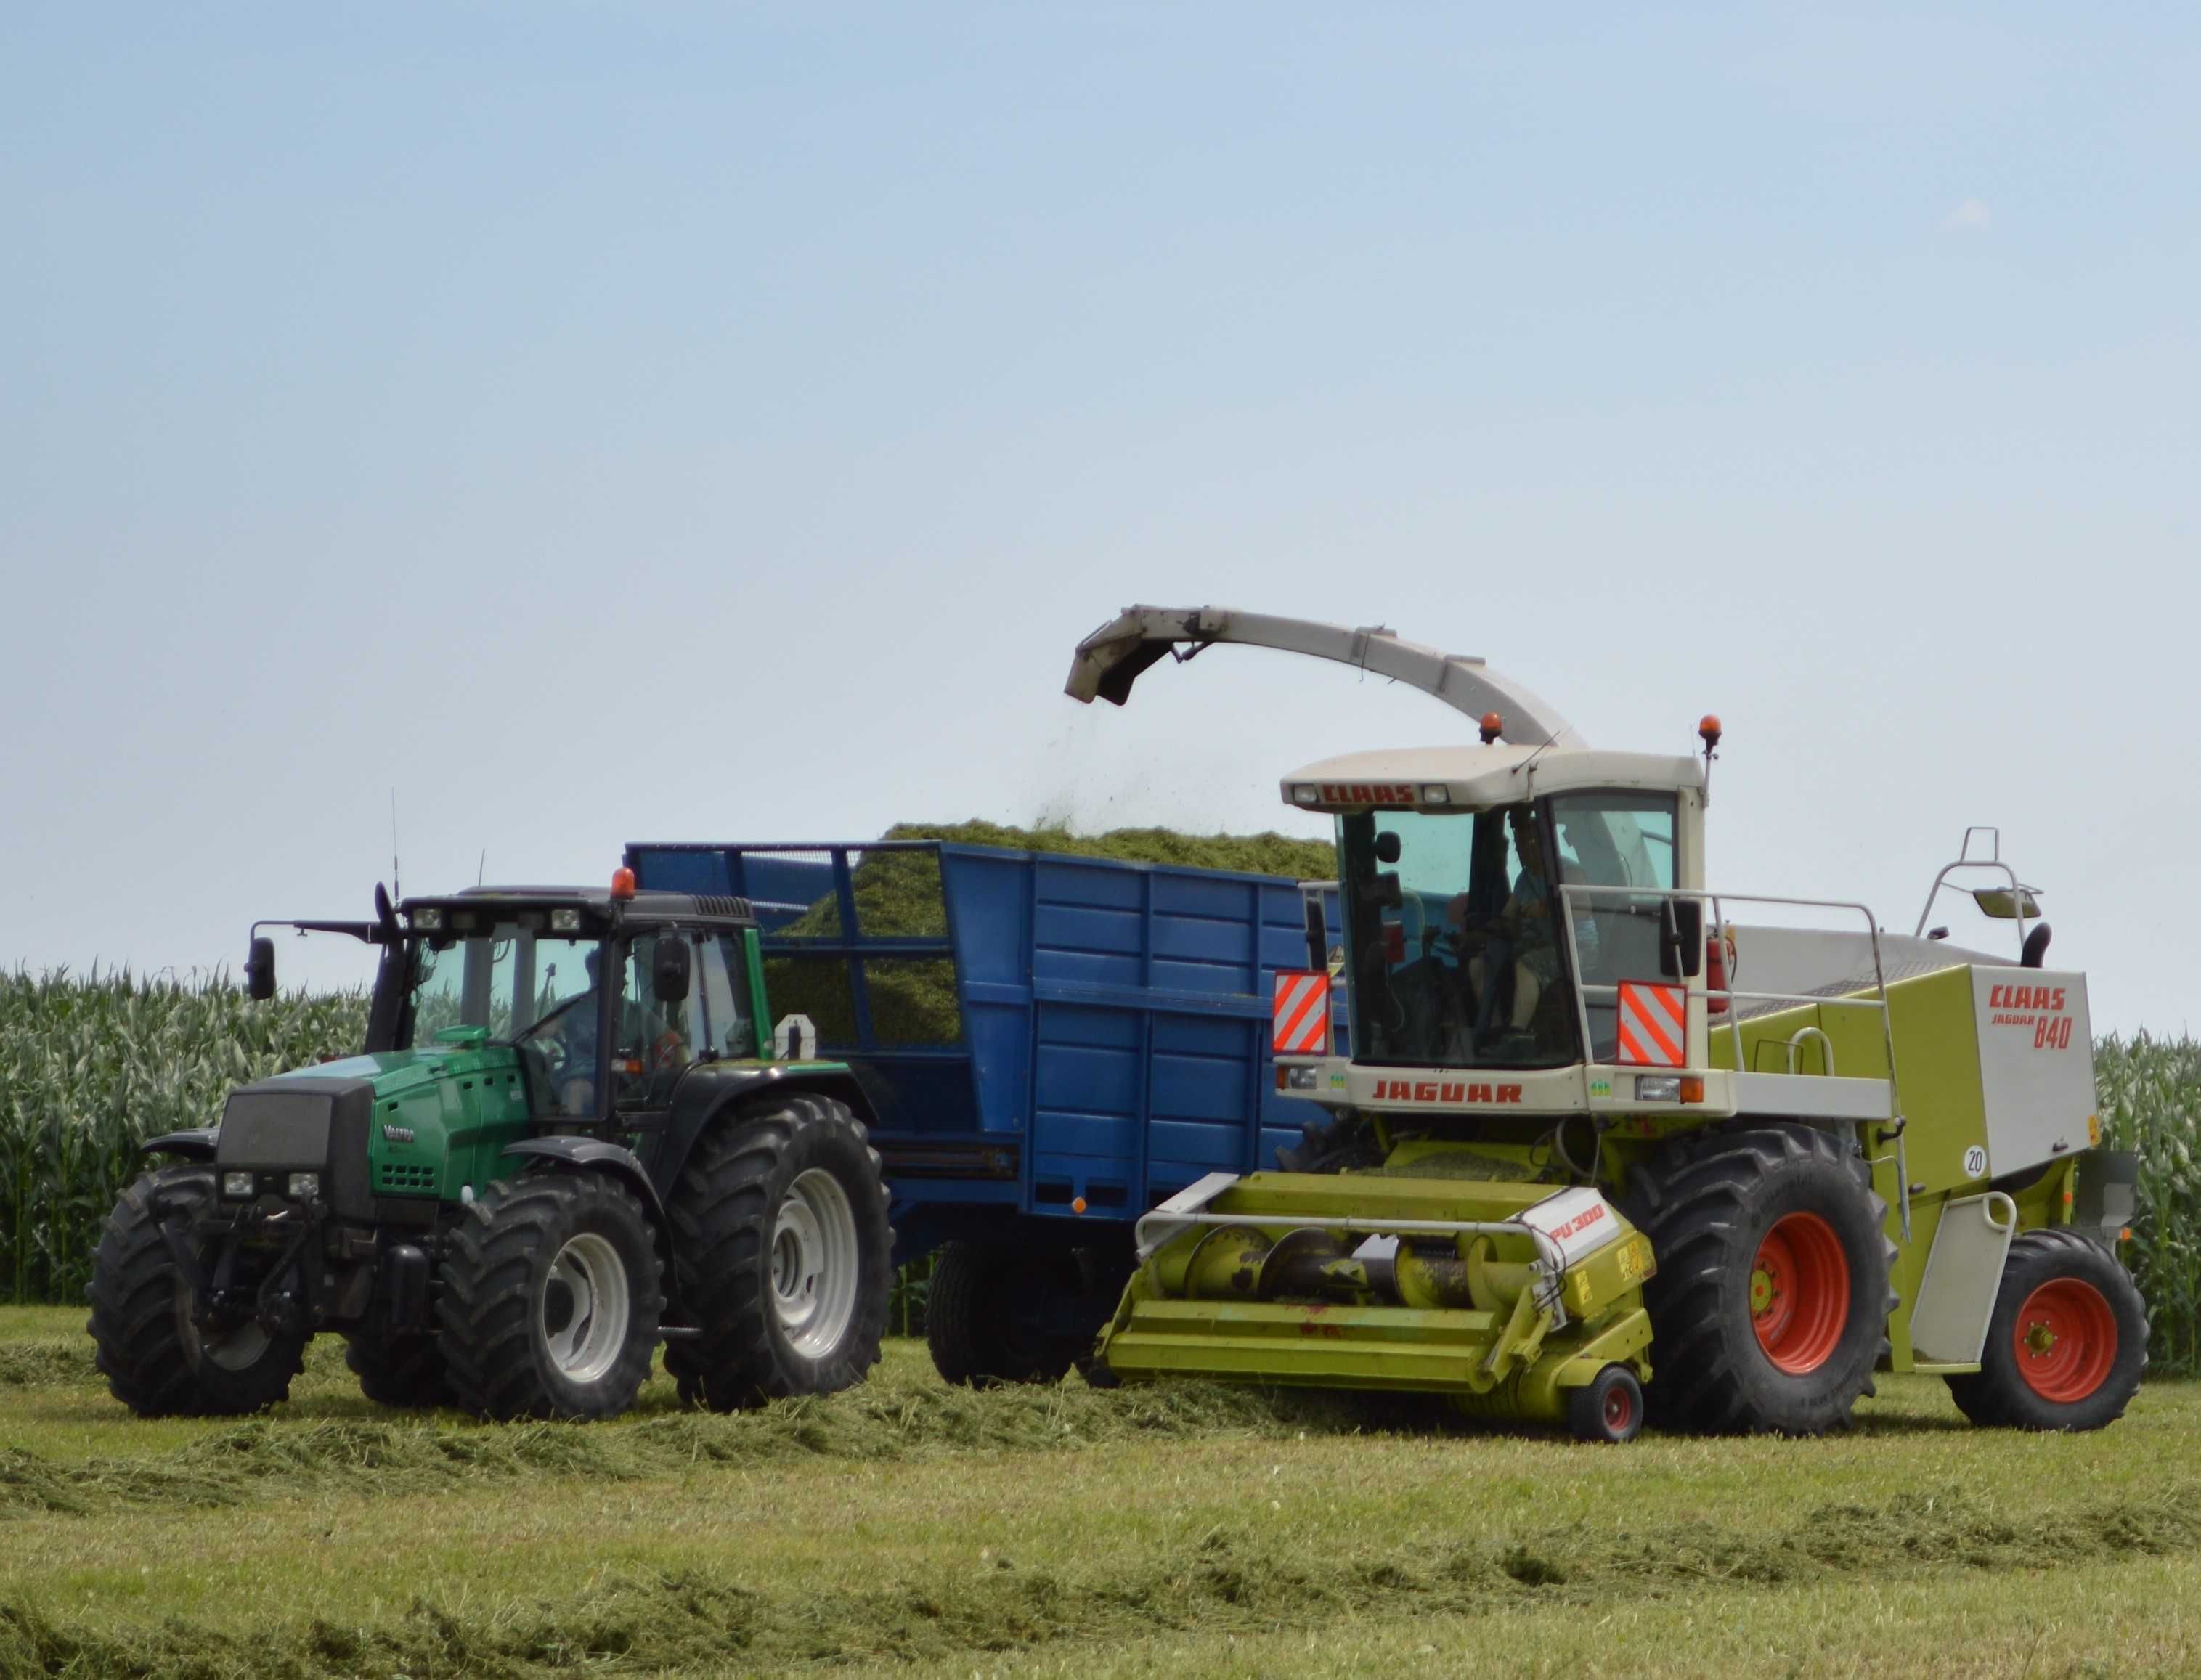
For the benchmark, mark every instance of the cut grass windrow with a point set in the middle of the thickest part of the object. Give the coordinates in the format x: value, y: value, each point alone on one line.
x: 1234, y: 1577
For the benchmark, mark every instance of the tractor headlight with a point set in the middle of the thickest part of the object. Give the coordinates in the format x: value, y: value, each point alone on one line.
x: 305, y: 1186
x: 428, y: 919
x: 236, y: 1184
x: 567, y: 921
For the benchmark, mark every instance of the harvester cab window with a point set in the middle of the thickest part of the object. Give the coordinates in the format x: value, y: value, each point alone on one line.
x: 654, y: 1043
x: 1615, y: 839
x: 1451, y: 934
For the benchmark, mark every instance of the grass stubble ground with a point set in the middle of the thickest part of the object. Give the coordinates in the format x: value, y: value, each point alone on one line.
x: 912, y: 1528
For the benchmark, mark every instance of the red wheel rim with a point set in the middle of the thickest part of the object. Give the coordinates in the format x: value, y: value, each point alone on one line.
x: 1799, y: 1293
x: 2065, y: 1340
x: 1619, y: 1408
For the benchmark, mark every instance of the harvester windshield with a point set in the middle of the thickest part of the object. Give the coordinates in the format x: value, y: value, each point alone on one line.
x: 1456, y: 934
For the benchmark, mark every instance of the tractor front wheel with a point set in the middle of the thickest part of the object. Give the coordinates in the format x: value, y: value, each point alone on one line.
x: 780, y: 1234
x: 158, y: 1362
x: 400, y: 1368
x: 1771, y: 1302
x: 552, y: 1291
x: 2067, y: 1342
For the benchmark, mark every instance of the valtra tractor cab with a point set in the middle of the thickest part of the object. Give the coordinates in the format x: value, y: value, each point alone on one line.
x: 566, y: 1137
x: 1595, y: 1148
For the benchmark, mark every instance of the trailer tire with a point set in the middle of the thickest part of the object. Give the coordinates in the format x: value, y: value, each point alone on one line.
x: 156, y: 1361
x: 980, y: 1310
x: 552, y: 1293
x: 399, y: 1368
x: 783, y: 1249
x: 1770, y: 1306
x: 2066, y: 1343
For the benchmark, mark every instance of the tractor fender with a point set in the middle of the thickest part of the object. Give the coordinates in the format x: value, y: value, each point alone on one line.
x: 709, y: 1093
x: 195, y: 1145
x: 597, y: 1154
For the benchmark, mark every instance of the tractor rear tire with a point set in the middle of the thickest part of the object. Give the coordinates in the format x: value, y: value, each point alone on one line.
x: 1770, y: 1306
x: 2067, y: 1341
x: 157, y: 1362
x: 984, y: 1311
x: 784, y: 1255
x: 399, y: 1368
x: 552, y: 1292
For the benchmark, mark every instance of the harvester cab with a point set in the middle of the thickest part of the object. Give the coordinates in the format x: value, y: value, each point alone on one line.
x: 566, y: 1138
x: 1581, y: 1122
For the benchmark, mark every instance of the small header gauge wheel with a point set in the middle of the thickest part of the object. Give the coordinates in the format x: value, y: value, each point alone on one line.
x: 2068, y: 1341
x: 1608, y: 1408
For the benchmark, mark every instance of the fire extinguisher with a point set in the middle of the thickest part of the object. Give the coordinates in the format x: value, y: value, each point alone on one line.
x: 1719, y: 963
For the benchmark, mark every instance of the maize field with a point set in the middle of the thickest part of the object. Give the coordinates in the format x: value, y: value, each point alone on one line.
x: 90, y: 1065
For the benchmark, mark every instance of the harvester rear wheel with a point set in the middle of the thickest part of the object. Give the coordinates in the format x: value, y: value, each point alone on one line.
x: 400, y: 1368
x: 2067, y: 1342
x: 551, y: 1296
x: 985, y: 1315
x: 781, y: 1238
x: 1770, y: 1302
x: 1609, y: 1407
x: 157, y: 1362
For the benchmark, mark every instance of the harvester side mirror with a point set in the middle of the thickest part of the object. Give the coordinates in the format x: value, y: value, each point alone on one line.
x: 2004, y: 905
x: 260, y: 969
x: 1681, y: 937
x: 1386, y: 848
x: 1318, y: 935
x: 669, y: 970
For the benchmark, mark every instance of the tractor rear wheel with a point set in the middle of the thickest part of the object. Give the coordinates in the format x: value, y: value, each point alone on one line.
x: 2066, y: 1343
x: 158, y: 1362
x: 1769, y: 1305
x: 780, y: 1235
x: 400, y: 1368
x: 552, y: 1291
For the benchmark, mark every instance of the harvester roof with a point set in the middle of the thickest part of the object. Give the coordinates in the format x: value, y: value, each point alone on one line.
x: 1452, y: 777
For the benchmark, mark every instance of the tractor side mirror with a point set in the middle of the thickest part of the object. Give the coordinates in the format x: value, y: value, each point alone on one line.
x: 1681, y: 937
x: 669, y: 970
x: 259, y: 970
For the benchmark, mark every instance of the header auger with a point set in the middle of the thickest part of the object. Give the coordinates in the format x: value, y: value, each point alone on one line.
x: 1595, y: 1152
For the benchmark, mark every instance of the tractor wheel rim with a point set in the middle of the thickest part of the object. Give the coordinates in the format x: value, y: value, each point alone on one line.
x: 2065, y: 1340
x: 814, y: 1256
x: 238, y: 1349
x: 585, y: 1309
x: 1799, y: 1293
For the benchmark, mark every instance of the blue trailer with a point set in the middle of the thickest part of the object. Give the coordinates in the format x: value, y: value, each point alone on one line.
x: 1051, y: 1044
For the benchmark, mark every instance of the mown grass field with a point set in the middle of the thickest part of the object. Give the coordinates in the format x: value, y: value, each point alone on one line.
x: 909, y: 1528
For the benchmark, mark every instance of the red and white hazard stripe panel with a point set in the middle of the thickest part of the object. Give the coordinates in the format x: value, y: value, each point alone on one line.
x: 1300, y: 1022
x: 1654, y: 1025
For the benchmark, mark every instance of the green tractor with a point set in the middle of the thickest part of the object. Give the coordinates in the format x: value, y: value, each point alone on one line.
x: 1594, y: 1153
x: 567, y: 1138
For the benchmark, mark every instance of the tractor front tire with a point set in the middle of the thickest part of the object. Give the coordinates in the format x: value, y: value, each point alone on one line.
x: 157, y: 1362
x: 1771, y: 1302
x: 399, y: 1368
x: 552, y: 1292
x: 2066, y: 1343
x: 985, y: 1312
x: 780, y: 1236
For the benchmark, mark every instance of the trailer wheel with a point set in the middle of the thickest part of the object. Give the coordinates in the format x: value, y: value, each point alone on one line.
x: 1769, y: 1305
x: 157, y: 1362
x: 1608, y: 1408
x: 550, y: 1300
x: 2066, y: 1343
x: 986, y: 1316
x: 781, y: 1238
x: 404, y: 1369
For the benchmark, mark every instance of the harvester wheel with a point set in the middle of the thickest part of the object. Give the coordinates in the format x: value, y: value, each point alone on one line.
x: 986, y: 1315
x: 780, y: 1235
x: 551, y: 1295
x: 156, y: 1361
x: 398, y: 1368
x: 2066, y: 1343
x: 1771, y: 1302
x: 1609, y: 1407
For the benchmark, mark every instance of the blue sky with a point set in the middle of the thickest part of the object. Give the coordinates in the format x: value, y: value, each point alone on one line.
x: 679, y: 422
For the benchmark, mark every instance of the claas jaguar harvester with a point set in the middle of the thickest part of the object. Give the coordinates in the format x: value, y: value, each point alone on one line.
x: 570, y: 1135
x: 1597, y: 1153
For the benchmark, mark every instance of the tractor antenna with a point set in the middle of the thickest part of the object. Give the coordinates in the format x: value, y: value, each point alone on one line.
x: 481, y: 868
x: 396, y: 890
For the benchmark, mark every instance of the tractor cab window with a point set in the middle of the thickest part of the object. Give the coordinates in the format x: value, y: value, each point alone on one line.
x: 723, y: 978
x: 1453, y: 939
x: 654, y: 1043
x: 525, y: 989
x: 1614, y: 840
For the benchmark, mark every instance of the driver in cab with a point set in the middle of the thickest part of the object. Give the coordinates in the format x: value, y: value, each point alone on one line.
x: 650, y: 1051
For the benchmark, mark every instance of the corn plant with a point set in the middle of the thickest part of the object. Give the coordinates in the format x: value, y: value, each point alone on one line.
x: 2149, y: 1099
